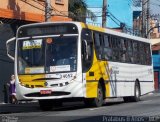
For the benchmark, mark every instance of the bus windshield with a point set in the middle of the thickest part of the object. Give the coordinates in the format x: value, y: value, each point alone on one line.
x: 47, y: 55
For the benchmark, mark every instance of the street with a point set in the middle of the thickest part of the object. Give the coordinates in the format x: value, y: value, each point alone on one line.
x: 60, y: 49
x: 148, y: 109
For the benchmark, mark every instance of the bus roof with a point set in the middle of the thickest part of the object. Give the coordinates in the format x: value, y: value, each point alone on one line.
x: 113, y: 32
x: 96, y: 28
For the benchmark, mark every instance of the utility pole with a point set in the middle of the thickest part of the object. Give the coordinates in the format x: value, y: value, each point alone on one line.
x: 48, y: 10
x: 104, y: 13
x: 145, y: 17
x: 148, y: 18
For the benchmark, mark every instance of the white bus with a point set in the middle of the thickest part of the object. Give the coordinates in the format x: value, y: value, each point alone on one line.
x: 71, y: 60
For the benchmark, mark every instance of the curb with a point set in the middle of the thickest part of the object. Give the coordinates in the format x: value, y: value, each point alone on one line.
x: 3, y: 103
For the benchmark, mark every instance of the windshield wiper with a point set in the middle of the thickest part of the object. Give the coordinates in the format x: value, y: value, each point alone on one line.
x: 45, y: 79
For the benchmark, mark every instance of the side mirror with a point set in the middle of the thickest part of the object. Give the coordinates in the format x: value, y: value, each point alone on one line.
x: 10, y: 45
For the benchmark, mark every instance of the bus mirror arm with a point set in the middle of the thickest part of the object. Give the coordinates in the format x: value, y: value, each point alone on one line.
x: 8, y: 47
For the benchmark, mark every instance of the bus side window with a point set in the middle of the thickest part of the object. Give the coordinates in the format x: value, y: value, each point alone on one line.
x: 97, y: 39
x: 87, y: 49
x: 106, y: 41
x: 123, y: 51
x: 107, y: 52
x: 141, y: 53
x: 138, y: 53
x: 148, y: 54
x: 115, y: 49
x: 135, y: 53
x: 130, y: 51
x: 98, y: 44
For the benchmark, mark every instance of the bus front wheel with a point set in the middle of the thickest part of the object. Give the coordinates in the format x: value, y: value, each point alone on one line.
x: 96, y: 102
x: 46, y: 105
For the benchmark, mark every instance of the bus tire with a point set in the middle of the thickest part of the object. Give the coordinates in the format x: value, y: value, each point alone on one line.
x: 46, y: 105
x: 96, y: 102
x: 137, y: 93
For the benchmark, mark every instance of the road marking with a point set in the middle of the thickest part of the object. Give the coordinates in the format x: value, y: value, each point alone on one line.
x: 150, y: 93
x: 146, y: 101
x: 92, y: 109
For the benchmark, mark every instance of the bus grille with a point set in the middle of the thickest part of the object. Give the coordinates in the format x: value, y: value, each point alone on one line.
x: 37, y: 94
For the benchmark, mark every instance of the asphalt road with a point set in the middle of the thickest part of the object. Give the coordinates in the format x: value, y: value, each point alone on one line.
x: 148, y: 109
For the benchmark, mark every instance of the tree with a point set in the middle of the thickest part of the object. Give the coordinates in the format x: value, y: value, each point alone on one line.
x: 78, y: 11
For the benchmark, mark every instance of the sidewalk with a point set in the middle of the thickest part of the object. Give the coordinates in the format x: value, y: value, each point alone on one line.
x: 156, y: 91
x: 2, y: 103
x: 18, y: 108
x: 20, y: 102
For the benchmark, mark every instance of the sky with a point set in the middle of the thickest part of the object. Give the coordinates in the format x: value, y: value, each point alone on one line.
x: 115, y: 10
x: 95, y: 6
x: 155, y: 6
x: 119, y: 10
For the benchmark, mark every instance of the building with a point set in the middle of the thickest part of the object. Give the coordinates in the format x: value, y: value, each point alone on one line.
x: 137, y: 20
x: 14, y: 13
x: 155, y: 40
x: 156, y: 64
x: 155, y: 21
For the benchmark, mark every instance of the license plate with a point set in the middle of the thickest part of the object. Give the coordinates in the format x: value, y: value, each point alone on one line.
x: 45, y: 92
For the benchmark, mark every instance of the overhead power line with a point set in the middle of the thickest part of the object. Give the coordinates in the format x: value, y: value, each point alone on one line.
x: 32, y: 5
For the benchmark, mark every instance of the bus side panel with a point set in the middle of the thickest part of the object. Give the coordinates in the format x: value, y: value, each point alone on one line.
x: 91, y: 89
x: 144, y: 74
x: 97, y: 71
x: 121, y: 80
x: 123, y: 77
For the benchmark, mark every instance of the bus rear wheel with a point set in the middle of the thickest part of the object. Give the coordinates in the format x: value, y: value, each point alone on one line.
x: 137, y: 94
x: 96, y: 102
x: 46, y: 105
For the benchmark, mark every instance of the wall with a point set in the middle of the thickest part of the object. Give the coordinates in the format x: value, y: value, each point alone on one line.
x: 156, y: 64
x: 32, y: 11
x: 6, y: 65
x: 155, y: 32
x: 154, y: 41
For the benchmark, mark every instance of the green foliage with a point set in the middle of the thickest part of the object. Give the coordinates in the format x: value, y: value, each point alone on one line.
x: 78, y: 11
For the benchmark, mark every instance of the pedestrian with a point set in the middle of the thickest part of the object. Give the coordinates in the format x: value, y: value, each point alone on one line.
x: 12, y: 90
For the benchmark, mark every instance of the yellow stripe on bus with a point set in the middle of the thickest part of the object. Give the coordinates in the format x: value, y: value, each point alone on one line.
x: 95, y: 28
x: 100, y: 71
x: 91, y: 89
x: 31, y: 82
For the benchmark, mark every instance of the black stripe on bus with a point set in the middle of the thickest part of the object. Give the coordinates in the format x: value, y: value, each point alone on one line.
x: 106, y: 81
